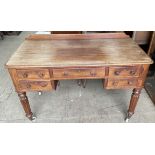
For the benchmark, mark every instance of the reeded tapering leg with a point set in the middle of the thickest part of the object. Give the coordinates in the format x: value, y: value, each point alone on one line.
x: 133, y: 102
x: 25, y: 103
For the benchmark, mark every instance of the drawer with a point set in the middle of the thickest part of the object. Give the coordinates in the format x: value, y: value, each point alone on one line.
x: 35, y: 85
x: 125, y: 71
x: 33, y: 74
x: 79, y: 73
x: 120, y: 83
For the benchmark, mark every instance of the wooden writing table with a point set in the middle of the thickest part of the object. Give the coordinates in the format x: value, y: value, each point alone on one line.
x: 42, y: 60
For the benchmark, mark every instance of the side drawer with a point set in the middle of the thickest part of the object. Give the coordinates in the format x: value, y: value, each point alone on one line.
x: 35, y: 85
x: 33, y: 73
x: 79, y: 73
x: 124, y: 71
x: 120, y: 83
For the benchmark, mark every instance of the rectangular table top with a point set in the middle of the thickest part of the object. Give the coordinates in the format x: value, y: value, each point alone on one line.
x: 77, y: 50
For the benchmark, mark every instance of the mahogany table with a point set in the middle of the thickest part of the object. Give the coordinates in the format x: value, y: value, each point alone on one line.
x: 42, y: 60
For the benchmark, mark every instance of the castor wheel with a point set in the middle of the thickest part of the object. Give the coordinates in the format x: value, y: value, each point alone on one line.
x: 127, y: 120
x: 33, y: 119
x: 129, y: 115
x: 39, y: 93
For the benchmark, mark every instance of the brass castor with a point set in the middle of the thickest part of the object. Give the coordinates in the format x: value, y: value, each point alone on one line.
x: 129, y: 115
x: 32, y: 118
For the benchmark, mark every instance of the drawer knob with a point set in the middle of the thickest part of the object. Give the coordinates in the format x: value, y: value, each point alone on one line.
x: 115, y: 83
x: 65, y: 73
x: 130, y: 82
x: 92, y: 74
x: 41, y: 75
x: 132, y: 72
x: 117, y: 72
x: 25, y: 75
x: 28, y: 85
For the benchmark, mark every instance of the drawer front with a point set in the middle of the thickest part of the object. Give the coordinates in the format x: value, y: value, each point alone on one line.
x: 120, y: 83
x: 33, y: 74
x: 79, y: 73
x: 126, y: 71
x: 35, y: 85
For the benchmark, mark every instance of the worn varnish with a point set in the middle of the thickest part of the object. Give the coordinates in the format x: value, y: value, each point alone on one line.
x: 84, y: 52
x: 42, y: 60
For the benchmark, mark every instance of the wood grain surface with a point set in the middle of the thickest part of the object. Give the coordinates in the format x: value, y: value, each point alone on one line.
x: 78, y: 52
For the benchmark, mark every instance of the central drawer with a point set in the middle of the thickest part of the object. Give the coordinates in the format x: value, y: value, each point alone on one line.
x: 79, y: 73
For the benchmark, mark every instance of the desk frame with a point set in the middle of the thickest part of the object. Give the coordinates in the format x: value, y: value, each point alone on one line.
x: 116, y: 76
x: 133, y: 101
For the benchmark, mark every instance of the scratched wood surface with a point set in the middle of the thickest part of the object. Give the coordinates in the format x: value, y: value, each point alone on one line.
x: 90, y: 50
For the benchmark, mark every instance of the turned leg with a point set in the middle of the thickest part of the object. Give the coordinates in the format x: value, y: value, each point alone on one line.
x: 25, y: 103
x: 133, y: 102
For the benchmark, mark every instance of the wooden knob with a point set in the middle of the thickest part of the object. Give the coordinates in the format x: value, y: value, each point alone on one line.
x: 25, y: 75
x: 115, y: 83
x: 117, y: 72
x: 28, y: 85
x: 65, y: 73
x: 92, y: 74
x: 41, y: 75
x: 130, y: 82
x: 132, y: 72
